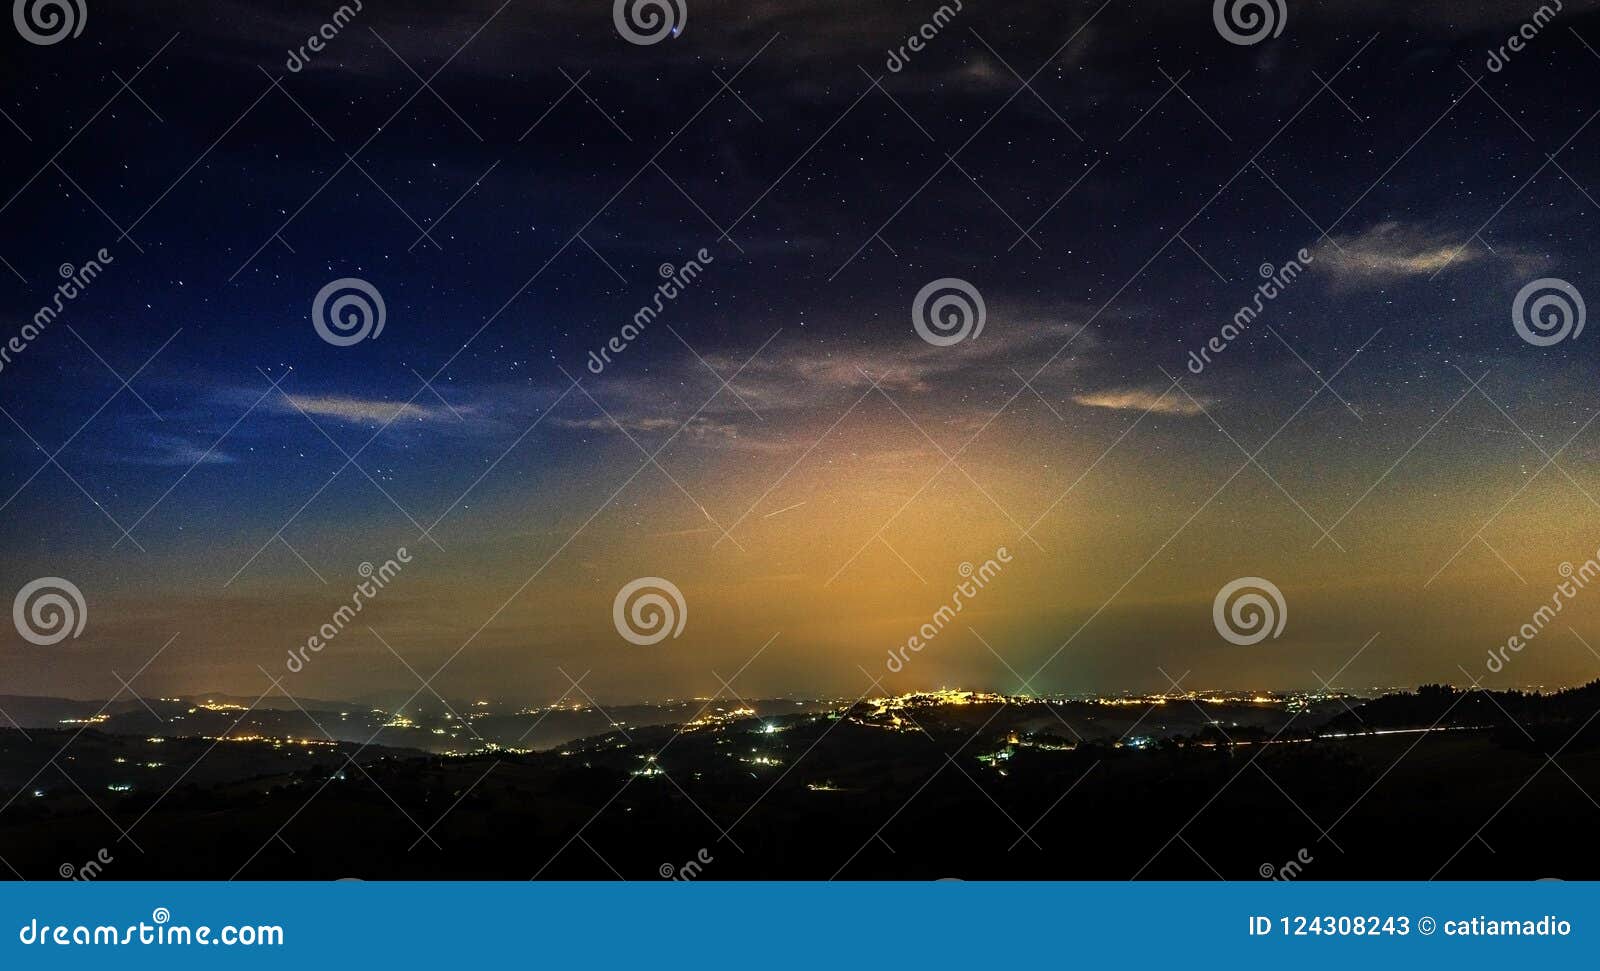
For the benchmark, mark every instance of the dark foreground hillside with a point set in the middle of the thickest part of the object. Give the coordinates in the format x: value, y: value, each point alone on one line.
x: 1420, y: 786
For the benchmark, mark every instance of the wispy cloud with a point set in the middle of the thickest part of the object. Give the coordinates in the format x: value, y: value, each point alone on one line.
x: 171, y: 450
x: 1394, y: 250
x: 806, y: 376
x: 365, y: 410
x: 629, y: 425
x: 1174, y: 402
x: 789, y: 385
x: 702, y: 431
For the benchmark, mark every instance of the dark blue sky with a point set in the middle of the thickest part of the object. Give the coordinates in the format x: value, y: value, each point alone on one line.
x: 557, y: 166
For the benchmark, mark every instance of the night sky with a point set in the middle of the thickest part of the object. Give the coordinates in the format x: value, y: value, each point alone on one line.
x: 820, y: 470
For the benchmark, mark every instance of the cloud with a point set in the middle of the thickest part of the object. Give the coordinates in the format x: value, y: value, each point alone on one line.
x: 1394, y: 250
x: 364, y: 410
x: 801, y: 377
x: 773, y: 402
x: 629, y: 425
x: 701, y: 431
x: 169, y: 450
x: 1173, y: 402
